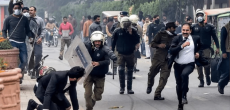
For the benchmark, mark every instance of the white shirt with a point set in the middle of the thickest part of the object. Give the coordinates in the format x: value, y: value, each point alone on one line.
x: 186, y: 55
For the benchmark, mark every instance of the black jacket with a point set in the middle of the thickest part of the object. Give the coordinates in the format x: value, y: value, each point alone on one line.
x: 176, y: 48
x: 124, y: 42
x: 153, y: 29
x: 102, y: 56
x: 54, y: 84
x: 206, y: 33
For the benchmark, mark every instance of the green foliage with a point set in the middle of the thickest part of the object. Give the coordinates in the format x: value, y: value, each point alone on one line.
x: 5, y: 45
x: 3, y: 64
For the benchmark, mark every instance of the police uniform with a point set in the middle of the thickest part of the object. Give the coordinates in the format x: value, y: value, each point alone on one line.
x: 205, y: 33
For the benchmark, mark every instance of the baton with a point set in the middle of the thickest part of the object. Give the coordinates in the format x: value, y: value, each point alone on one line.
x: 113, y: 70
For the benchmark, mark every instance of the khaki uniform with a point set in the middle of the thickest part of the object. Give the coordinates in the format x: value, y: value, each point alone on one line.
x: 91, y: 96
x: 159, y: 61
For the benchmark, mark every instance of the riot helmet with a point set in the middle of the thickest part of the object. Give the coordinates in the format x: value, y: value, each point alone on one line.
x: 97, y: 36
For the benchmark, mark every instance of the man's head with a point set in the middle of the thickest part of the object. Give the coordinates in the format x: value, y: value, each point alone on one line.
x: 97, y: 39
x: 188, y: 19
x: 65, y: 19
x: 110, y: 19
x: 76, y: 73
x: 97, y: 19
x: 17, y: 9
x: 89, y: 17
x: 46, y: 20
x: 156, y: 18
x: 33, y: 11
x: 83, y: 17
x: 164, y: 18
x: 171, y: 27
x: 147, y: 19
x: 25, y: 11
x: 70, y: 16
x: 125, y: 23
x: 104, y: 20
x: 123, y: 13
x: 186, y: 29
x: 177, y: 23
x: 134, y: 19
x: 200, y: 16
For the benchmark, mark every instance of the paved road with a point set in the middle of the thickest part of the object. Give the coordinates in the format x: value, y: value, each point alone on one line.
x: 206, y: 98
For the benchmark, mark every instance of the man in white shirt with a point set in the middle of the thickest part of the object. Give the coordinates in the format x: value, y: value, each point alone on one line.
x: 186, y: 48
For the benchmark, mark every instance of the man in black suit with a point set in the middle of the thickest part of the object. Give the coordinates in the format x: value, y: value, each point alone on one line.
x: 50, y: 90
x: 186, y: 48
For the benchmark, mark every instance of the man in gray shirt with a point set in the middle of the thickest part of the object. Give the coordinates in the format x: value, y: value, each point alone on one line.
x: 39, y: 31
x: 95, y: 26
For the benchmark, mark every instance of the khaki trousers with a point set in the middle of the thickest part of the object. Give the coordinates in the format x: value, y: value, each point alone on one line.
x: 63, y: 43
x: 91, y: 96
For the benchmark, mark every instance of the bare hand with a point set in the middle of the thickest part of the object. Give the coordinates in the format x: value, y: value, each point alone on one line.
x: 39, y: 41
x: 217, y: 51
x: 186, y: 44
x: 130, y: 30
x: 197, y: 55
x: 95, y: 64
x: 224, y: 55
x: 162, y: 46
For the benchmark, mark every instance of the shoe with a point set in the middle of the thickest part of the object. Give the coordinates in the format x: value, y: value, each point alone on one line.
x: 184, y: 100
x: 180, y: 107
x: 94, y: 102
x: 159, y: 98
x: 110, y: 73
x: 134, y: 77
x: 208, y: 80
x: 147, y: 58
x: 136, y: 70
x: 201, y: 83
x: 31, y: 105
x: 149, y: 90
x: 60, y: 57
x: 130, y: 91
x: 122, y: 90
x: 221, y: 90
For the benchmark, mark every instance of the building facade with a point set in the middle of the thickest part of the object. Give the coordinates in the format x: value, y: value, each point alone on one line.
x: 3, y: 11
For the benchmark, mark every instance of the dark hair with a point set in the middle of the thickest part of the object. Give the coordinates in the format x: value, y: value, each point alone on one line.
x: 140, y: 15
x: 89, y: 17
x: 155, y: 16
x: 35, y: 9
x: 25, y: 8
x: 188, y: 17
x: 95, y: 17
x: 65, y: 17
x: 190, y: 26
x: 104, y: 18
x: 18, y: 3
x: 110, y: 19
x: 178, y: 21
x: 76, y: 72
x: 71, y: 15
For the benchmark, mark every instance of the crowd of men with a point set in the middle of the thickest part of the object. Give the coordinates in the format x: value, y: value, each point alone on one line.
x: 121, y: 41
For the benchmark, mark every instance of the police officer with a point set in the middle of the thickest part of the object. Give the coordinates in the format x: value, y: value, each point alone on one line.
x: 152, y: 30
x: 224, y: 66
x: 161, y: 42
x: 125, y: 39
x: 206, y: 32
x: 100, y: 54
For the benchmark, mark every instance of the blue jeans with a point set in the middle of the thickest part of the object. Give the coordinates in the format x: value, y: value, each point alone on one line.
x: 224, y: 71
x: 22, y: 53
x: 143, y: 52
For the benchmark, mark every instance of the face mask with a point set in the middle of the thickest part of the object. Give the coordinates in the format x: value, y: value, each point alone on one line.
x: 17, y: 12
x: 157, y: 21
x: 127, y: 25
x: 200, y: 19
x: 26, y: 15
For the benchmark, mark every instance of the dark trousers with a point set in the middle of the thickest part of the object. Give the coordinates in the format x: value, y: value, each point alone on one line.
x: 152, y: 51
x: 206, y: 54
x: 143, y: 52
x: 35, y: 58
x: 182, y: 73
x: 55, y: 103
x: 224, y: 71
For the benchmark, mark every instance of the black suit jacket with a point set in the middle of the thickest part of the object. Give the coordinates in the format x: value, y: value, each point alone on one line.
x: 54, y: 84
x: 176, y: 48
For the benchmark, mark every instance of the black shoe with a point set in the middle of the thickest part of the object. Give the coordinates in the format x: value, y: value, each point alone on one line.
x: 134, y: 77
x: 33, y: 77
x: 221, y: 90
x: 149, y: 90
x: 31, y: 105
x: 184, y: 100
x: 94, y: 102
x: 180, y: 107
x: 201, y: 83
x: 60, y: 57
x: 122, y: 90
x: 159, y: 98
x: 136, y: 70
x: 208, y: 80
x: 130, y: 91
x: 147, y: 58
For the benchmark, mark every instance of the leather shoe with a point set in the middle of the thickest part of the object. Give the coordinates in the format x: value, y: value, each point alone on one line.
x: 201, y: 83
x: 184, y: 100
x: 130, y: 92
x: 221, y: 90
x: 31, y: 105
x: 180, y: 107
x: 208, y: 80
x: 149, y: 90
x: 147, y: 58
x: 122, y: 90
x: 137, y: 70
x: 159, y: 98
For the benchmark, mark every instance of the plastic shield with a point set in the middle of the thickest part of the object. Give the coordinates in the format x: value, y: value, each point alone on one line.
x: 78, y: 55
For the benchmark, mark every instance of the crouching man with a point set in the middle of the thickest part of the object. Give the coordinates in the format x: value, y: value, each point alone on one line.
x: 100, y: 55
x: 50, y: 90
